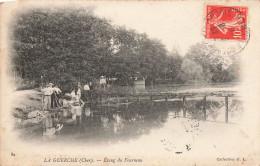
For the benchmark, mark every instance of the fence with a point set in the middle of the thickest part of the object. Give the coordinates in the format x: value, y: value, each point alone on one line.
x: 166, y: 96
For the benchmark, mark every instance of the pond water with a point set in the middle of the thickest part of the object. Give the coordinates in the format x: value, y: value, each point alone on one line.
x: 126, y: 121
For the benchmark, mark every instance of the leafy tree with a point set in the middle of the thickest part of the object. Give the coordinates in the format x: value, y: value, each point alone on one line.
x: 191, y: 72
x: 173, y: 66
x: 61, y: 45
x: 215, y: 67
x: 65, y: 46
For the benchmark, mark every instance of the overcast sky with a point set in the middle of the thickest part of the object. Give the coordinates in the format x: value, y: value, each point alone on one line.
x: 176, y: 24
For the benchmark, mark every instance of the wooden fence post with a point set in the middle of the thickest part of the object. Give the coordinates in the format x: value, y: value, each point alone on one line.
x: 204, y: 107
x: 226, y: 105
x: 126, y: 99
x: 184, y: 109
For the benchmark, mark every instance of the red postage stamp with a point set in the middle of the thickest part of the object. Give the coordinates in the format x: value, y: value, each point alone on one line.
x: 226, y: 22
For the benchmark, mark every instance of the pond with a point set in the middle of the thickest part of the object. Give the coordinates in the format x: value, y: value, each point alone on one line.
x: 125, y: 121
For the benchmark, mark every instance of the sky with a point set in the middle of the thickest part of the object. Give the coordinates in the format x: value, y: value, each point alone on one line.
x: 177, y: 24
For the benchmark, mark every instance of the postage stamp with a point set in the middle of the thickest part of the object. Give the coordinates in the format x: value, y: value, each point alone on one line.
x: 226, y: 22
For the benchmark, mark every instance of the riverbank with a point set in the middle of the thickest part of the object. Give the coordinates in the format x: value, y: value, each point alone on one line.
x: 27, y: 98
x: 26, y: 101
x: 33, y: 97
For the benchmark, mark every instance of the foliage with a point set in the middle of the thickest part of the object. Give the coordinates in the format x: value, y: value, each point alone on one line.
x: 215, y: 67
x: 191, y: 72
x: 66, y: 46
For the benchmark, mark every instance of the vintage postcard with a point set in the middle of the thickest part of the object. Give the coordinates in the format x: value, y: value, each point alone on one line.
x: 130, y: 83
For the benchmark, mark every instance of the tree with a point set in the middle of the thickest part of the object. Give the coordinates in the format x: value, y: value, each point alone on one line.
x: 61, y: 45
x: 65, y: 46
x: 191, y: 72
x: 216, y: 68
x: 139, y: 55
x: 173, y: 66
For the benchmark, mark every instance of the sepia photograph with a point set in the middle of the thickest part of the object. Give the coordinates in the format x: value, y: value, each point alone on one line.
x: 130, y: 83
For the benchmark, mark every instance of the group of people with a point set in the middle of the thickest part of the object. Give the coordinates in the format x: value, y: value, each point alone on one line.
x: 51, y: 96
x: 52, y: 99
x: 88, y: 88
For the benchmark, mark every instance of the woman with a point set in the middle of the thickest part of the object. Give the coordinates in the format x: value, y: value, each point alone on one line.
x: 56, y: 96
x: 76, y: 93
x: 73, y: 93
x: 67, y: 100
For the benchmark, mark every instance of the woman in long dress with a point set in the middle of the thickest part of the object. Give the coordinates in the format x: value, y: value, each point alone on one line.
x: 76, y: 94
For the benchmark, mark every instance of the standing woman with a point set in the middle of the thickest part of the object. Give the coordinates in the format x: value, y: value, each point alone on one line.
x: 47, y: 92
x: 78, y: 93
x: 86, y: 91
x: 102, y: 82
x: 52, y: 96
x: 73, y: 93
x: 57, y: 94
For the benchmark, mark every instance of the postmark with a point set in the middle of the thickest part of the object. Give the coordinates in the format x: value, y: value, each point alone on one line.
x: 224, y: 22
x: 226, y: 29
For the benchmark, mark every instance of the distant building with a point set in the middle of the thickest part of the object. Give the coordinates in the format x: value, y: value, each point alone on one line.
x: 139, y: 83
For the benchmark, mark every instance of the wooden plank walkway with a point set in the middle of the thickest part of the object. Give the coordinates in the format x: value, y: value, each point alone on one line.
x: 165, y: 96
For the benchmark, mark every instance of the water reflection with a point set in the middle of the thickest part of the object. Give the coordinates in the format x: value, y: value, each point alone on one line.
x: 119, y: 122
